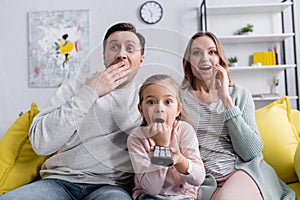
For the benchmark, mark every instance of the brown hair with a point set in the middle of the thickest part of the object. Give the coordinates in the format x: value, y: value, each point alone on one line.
x: 188, y: 74
x: 124, y: 27
x: 158, y: 79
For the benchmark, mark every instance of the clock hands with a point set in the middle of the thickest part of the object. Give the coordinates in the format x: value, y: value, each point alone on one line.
x: 151, y: 13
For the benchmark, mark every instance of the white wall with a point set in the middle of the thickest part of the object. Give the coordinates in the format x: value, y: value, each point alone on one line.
x: 165, y: 42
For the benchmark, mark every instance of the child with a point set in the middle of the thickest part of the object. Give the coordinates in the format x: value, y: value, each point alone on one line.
x: 160, y: 108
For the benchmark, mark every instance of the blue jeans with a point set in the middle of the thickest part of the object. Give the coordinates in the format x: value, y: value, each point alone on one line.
x: 55, y: 189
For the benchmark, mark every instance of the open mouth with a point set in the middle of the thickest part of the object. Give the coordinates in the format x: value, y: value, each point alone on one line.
x: 115, y: 61
x: 159, y: 120
x: 206, y: 67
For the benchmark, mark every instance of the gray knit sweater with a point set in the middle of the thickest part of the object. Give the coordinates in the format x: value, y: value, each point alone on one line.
x: 87, y: 135
x: 246, y: 142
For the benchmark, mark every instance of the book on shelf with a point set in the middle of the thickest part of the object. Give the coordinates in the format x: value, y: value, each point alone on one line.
x: 265, y: 58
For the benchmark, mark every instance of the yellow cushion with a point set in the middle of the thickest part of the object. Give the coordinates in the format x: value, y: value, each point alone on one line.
x: 279, y: 137
x: 296, y: 123
x: 295, y: 120
x: 19, y: 164
x: 297, y: 162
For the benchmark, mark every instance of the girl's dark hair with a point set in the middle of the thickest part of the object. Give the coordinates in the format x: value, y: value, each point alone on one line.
x: 124, y: 27
x: 158, y: 79
x: 188, y: 74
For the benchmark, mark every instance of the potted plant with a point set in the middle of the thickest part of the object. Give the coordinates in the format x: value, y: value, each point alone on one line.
x: 247, y: 29
x: 233, y: 61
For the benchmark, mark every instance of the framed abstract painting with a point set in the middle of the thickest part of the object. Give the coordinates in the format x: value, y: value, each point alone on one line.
x: 58, y: 46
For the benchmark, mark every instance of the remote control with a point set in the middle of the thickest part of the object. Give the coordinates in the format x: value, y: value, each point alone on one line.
x: 162, y: 156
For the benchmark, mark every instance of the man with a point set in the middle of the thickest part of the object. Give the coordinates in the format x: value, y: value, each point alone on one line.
x: 85, y: 126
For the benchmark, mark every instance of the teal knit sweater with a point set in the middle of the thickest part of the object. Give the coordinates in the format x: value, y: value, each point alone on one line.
x: 247, y: 143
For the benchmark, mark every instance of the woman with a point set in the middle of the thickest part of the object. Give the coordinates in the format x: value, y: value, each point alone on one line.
x: 223, y: 117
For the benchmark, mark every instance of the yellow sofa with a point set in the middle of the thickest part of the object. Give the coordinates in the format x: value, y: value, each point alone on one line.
x: 278, y: 124
x: 19, y: 164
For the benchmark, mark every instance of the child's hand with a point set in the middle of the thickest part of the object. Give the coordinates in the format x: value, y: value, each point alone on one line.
x: 175, y: 148
x: 174, y: 145
x: 160, y: 133
x: 179, y: 161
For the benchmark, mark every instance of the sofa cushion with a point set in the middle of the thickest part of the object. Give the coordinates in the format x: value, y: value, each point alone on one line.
x: 19, y: 164
x: 279, y: 137
x: 297, y: 161
x: 295, y: 120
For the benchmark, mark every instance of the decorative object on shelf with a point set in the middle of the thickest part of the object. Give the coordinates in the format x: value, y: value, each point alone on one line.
x: 276, y: 53
x: 246, y: 29
x: 58, y: 45
x: 151, y: 12
x: 265, y: 58
x: 275, y: 84
x: 233, y: 61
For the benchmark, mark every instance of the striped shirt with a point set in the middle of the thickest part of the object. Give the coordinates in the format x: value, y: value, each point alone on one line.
x: 214, y: 141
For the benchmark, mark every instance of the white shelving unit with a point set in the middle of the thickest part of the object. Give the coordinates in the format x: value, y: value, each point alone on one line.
x: 248, y: 8
x: 263, y: 68
x: 275, y: 38
x: 269, y: 30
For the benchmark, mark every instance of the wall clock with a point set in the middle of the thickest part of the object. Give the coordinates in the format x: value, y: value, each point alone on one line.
x: 151, y: 12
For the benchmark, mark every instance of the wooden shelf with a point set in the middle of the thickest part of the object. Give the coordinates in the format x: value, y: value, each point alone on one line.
x: 248, y: 8
x: 233, y: 39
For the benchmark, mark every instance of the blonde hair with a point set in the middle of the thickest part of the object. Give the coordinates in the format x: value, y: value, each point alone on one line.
x: 157, y: 79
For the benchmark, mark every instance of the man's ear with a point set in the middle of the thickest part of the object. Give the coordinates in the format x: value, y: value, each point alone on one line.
x: 142, y: 59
